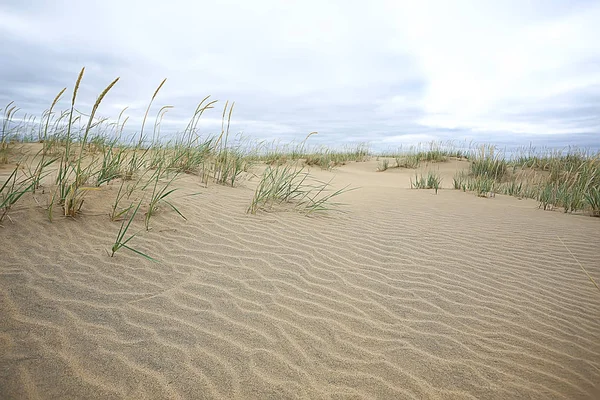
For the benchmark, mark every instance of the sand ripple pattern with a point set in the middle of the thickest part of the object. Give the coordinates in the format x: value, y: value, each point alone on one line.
x: 406, y: 296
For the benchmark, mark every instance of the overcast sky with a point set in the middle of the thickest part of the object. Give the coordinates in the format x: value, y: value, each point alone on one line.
x: 387, y: 72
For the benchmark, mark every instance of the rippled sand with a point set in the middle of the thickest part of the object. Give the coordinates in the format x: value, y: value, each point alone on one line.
x: 406, y: 295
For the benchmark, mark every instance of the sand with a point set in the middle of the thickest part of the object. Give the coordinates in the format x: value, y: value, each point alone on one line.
x: 406, y: 295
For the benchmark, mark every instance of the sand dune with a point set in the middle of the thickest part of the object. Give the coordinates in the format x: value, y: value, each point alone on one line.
x: 406, y: 295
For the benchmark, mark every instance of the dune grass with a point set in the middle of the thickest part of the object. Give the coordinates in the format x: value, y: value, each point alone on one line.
x: 326, y: 158
x: 567, y: 180
x: 12, y: 190
x: 6, y: 132
x: 488, y: 163
x: 161, y: 191
x: 426, y: 153
x: 383, y: 165
x: 122, y: 240
x: 323, y: 157
x: 431, y: 181
x: 291, y: 184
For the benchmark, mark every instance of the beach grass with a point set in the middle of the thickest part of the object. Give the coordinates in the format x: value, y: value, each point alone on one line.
x: 123, y: 238
x: 12, y: 190
x: 567, y: 179
x: 425, y: 153
x: 292, y: 184
x: 429, y: 181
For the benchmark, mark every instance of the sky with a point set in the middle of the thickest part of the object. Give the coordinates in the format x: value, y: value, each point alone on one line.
x: 390, y: 73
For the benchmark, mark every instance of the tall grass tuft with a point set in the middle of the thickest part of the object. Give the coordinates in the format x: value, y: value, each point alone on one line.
x: 43, y: 163
x: 290, y: 184
x: 592, y: 198
x: 160, y: 193
x: 74, y: 197
x: 431, y: 181
x: 137, y: 160
x: 383, y: 165
x: 112, y: 163
x: 488, y: 163
x: 432, y: 152
x: 9, y: 112
x: 12, y: 190
x: 121, y: 241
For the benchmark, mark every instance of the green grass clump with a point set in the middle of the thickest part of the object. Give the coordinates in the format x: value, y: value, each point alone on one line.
x: 160, y: 194
x: 121, y: 241
x: 432, y: 152
x: 111, y: 167
x: 460, y: 181
x: 592, y: 198
x: 514, y: 188
x: 7, y: 130
x: 411, y: 161
x: 73, y: 175
x: 488, y: 163
x: 328, y: 159
x: 482, y: 186
x: 431, y: 181
x: 383, y: 165
x: 320, y: 156
x: 12, y: 190
x: 230, y: 161
x: 42, y: 164
x: 291, y: 184
x: 138, y: 156
x: 570, y: 180
x: 116, y: 212
x: 487, y: 169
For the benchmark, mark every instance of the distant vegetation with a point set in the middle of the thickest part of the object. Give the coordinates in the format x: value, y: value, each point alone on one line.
x: 569, y: 179
x: 415, y: 156
x: 320, y: 156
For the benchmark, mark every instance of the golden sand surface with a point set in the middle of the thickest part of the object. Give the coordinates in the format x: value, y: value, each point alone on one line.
x: 404, y: 295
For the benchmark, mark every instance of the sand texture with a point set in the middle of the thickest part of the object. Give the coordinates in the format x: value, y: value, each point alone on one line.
x: 406, y: 295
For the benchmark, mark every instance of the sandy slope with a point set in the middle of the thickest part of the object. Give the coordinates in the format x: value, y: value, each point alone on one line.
x: 407, y: 295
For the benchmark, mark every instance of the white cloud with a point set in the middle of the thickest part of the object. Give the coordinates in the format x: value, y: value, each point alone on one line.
x: 476, y: 59
x: 348, y: 69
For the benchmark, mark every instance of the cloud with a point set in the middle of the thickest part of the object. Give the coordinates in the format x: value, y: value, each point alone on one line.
x: 389, y: 74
